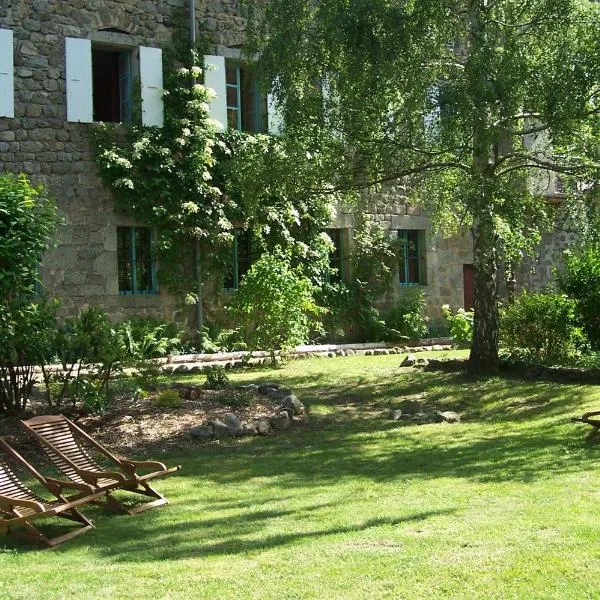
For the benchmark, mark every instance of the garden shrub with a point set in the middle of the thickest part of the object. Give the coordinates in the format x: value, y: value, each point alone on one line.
x: 216, y: 377
x: 580, y: 280
x: 542, y: 327
x: 274, y: 306
x: 168, y: 399
x: 406, y: 319
x: 90, y: 351
x: 460, y: 325
x: 27, y: 223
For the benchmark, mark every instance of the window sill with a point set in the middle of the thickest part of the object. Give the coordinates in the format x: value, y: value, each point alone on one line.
x: 140, y: 293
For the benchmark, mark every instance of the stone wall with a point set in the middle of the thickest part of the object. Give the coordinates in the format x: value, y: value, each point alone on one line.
x: 40, y: 142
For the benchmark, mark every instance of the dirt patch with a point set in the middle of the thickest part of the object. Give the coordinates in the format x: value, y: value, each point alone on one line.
x: 135, y: 426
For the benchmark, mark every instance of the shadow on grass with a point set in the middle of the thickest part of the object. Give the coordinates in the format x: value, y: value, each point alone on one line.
x: 152, y: 540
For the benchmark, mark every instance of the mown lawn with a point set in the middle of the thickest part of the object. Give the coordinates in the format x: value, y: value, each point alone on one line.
x: 350, y: 505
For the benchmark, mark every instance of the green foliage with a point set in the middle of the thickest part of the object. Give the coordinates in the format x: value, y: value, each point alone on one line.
x: 580, y: 280
x: 163, y: 176
x: 89, y: 351
x: 168, y: 399
x: 351, y: 307
x: 406, y: 319
x: 460, y: 325
x: 212, y: 340
x: 27, y: 222
x: 216, y: 377
x: 542, y: 327
x: 26, y: 330
x: 274, y: 306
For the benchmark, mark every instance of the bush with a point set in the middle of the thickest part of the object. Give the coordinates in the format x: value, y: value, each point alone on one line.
x: 542, y: 327
x: 216, y: 377
x: 460, y: 325
x: 405, y: 320
x: 580, y: 280
x: 274, y: 305
x: 90, y: 351
x: 168, y: 399
x: 27, y: 222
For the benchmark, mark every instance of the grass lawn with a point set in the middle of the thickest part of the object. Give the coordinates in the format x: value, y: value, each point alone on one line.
x: 350, y: 505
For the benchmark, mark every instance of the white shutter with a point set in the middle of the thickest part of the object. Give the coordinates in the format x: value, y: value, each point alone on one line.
x: 275, y: 115
x: 151, y: 77
x: 80, y: 106
x: 7, y: 81
x: 215, y: 78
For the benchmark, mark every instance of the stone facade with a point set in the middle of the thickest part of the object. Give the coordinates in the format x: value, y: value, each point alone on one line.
x: 39, y: 141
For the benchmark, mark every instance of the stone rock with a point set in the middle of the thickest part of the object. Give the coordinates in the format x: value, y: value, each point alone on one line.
x: 263, y: 426
x: 202, y: 433
x: 340, y: 353
x: 350, y: 352
x: 251, y: 387
x: 395, y: 415
x: 422, y: 418
x: 249, y: 429
x: 448, y: 416
x: 220, y: 430
x: 234, y: 424
x: 437, y: 347
x: 421, y: 362
x: 293, y: 403
x: 411, y: 407
x: 266, y: 388
x: 409, y: 361
x: 126, y: 419
x: 331, y: 355
x: 281, y: 421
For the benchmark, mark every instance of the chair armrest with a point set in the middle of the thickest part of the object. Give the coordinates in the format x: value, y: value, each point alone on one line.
x: 93, y: 476
x: 58, y: 485
x: 131, y: 466
x: 10, y: 502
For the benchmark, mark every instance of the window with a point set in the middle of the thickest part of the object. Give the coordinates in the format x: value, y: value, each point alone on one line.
x: 241, y: 259
x: 99, y: 82
x: 112, y: 85
x: 412, y: 257
x: 338, y: 257
x: 136, y: 265
x: 246, y: 106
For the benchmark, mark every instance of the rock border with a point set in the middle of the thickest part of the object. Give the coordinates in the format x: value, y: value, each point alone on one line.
x: 290, y: 411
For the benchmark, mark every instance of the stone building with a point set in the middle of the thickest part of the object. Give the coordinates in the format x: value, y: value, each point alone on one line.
x: 67, y: 63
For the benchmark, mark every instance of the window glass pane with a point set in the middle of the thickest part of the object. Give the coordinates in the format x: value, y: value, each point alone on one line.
x: 125, y: 86
x: 231, y: 74
x: 232, y: 118
x: 232, y: 97
x: 411, y: 261
x: 124, y: 259
x: 143, y: 259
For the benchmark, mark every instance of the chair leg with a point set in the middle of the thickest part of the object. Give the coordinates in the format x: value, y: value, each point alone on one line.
x: 31, y: 534
x: 145, y: 489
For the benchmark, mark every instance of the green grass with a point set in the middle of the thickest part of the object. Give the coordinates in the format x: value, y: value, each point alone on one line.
x: 350, y: 505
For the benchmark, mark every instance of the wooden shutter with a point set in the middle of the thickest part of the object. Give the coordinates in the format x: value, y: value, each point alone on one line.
x: 151, y: 77
x: 214, y: 77
x: 7, y: 81
x: 78, y: 55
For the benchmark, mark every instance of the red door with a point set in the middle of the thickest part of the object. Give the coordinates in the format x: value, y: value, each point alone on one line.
x: 468, y: 276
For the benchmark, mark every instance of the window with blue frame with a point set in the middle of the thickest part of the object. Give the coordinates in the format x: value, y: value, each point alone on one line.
x: 241, y: 259
x: 136, y: 264
x: 246, y: 105
x: 412, y: 267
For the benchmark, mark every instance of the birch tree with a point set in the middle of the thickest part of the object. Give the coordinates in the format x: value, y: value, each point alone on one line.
x: 472, y: 104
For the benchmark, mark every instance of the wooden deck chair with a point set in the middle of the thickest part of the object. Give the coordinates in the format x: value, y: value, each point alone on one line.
x: 19, y: 505
x: 65, y: 443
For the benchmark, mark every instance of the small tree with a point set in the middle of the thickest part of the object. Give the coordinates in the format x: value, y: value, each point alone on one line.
x: 27, y: 221
x: 273, y: 305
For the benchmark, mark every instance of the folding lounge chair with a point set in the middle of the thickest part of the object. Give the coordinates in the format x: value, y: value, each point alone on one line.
x: 62, y: 441
x: 19, y: 506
